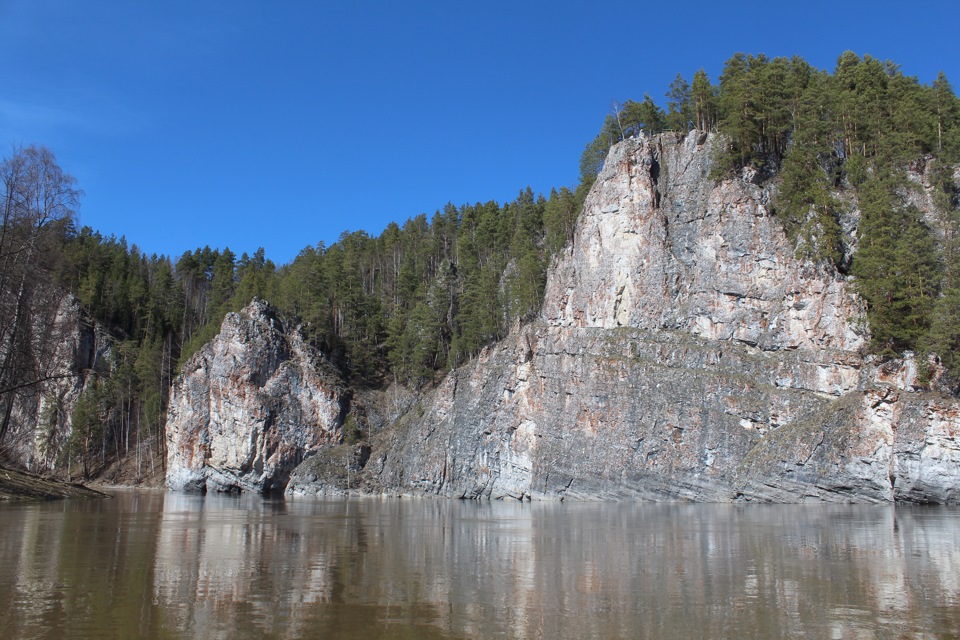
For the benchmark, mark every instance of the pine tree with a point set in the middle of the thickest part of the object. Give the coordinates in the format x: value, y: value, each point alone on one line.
x: 807, y: 207
x: 946, y: 116
x: 222, y: 283
x: 738, y: 120
x: 943, y: 339
x: 595, y: 153
x: 680, y: 116
x: 703, y: 96
x: 559, y: 218
x: 805, y: 202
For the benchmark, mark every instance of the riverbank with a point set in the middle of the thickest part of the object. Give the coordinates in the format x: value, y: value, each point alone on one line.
x: 18, y: 485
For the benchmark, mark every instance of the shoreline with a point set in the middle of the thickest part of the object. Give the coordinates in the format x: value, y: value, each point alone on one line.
x: 22, y: 486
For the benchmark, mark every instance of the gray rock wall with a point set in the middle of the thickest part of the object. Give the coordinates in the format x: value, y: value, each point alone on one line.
x: 683, y: 352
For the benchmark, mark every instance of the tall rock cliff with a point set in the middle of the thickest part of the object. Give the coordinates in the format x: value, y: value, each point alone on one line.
x: 682, y: 352
x: 249, y: 406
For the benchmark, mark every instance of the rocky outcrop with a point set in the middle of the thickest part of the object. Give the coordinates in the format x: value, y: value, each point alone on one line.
x: 71, y: 347
x: 250, y: 406
x: 683, y: 352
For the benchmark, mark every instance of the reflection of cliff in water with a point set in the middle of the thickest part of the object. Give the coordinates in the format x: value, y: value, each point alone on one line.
x: 154, y: 565
x: 242, y: 563
x: 546, y: 570
x: 80, y: 568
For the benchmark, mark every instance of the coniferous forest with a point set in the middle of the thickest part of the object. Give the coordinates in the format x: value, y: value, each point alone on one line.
x: 428, y: 294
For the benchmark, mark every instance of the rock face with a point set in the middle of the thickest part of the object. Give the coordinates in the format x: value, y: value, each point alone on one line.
x: 41, y: 415
x: 249, y: 406
x: 683, y: 352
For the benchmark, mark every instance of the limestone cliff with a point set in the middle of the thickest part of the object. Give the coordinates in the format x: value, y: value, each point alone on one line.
x: 682, y: 352
x: 249, y: 406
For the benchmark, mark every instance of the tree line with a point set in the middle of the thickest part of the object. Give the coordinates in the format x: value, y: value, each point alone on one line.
x: 427, y: 295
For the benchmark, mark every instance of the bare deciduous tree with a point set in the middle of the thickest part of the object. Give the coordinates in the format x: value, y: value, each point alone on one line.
x: 37, y: 206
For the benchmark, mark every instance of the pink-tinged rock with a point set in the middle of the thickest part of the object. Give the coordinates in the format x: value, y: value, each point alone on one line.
x: 250, y: 406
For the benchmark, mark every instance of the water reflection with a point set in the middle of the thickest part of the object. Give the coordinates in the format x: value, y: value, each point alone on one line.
x: 156, y: 565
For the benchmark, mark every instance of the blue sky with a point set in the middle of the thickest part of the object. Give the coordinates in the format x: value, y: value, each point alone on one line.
x: 248, y: 123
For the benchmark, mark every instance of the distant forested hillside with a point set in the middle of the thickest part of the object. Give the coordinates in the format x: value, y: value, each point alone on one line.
x: 427, y: 294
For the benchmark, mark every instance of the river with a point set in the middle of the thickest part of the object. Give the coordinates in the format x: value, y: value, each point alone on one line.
x: 162, y: 565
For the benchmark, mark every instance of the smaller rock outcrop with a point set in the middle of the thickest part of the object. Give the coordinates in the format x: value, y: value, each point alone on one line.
x: 250, y: 406
x: 71, y: 347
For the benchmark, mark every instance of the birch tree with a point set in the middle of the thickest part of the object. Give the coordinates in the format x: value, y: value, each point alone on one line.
x: 38, y: 202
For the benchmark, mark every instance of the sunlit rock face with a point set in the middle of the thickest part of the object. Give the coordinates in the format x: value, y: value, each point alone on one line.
x: 662, y: 246
x: 249, y: 407
x: 683, y: 352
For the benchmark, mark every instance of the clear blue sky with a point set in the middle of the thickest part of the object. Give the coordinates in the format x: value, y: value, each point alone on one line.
x: 248, y: 123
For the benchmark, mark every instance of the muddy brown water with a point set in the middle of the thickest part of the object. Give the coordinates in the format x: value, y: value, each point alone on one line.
x: 164, y: 565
